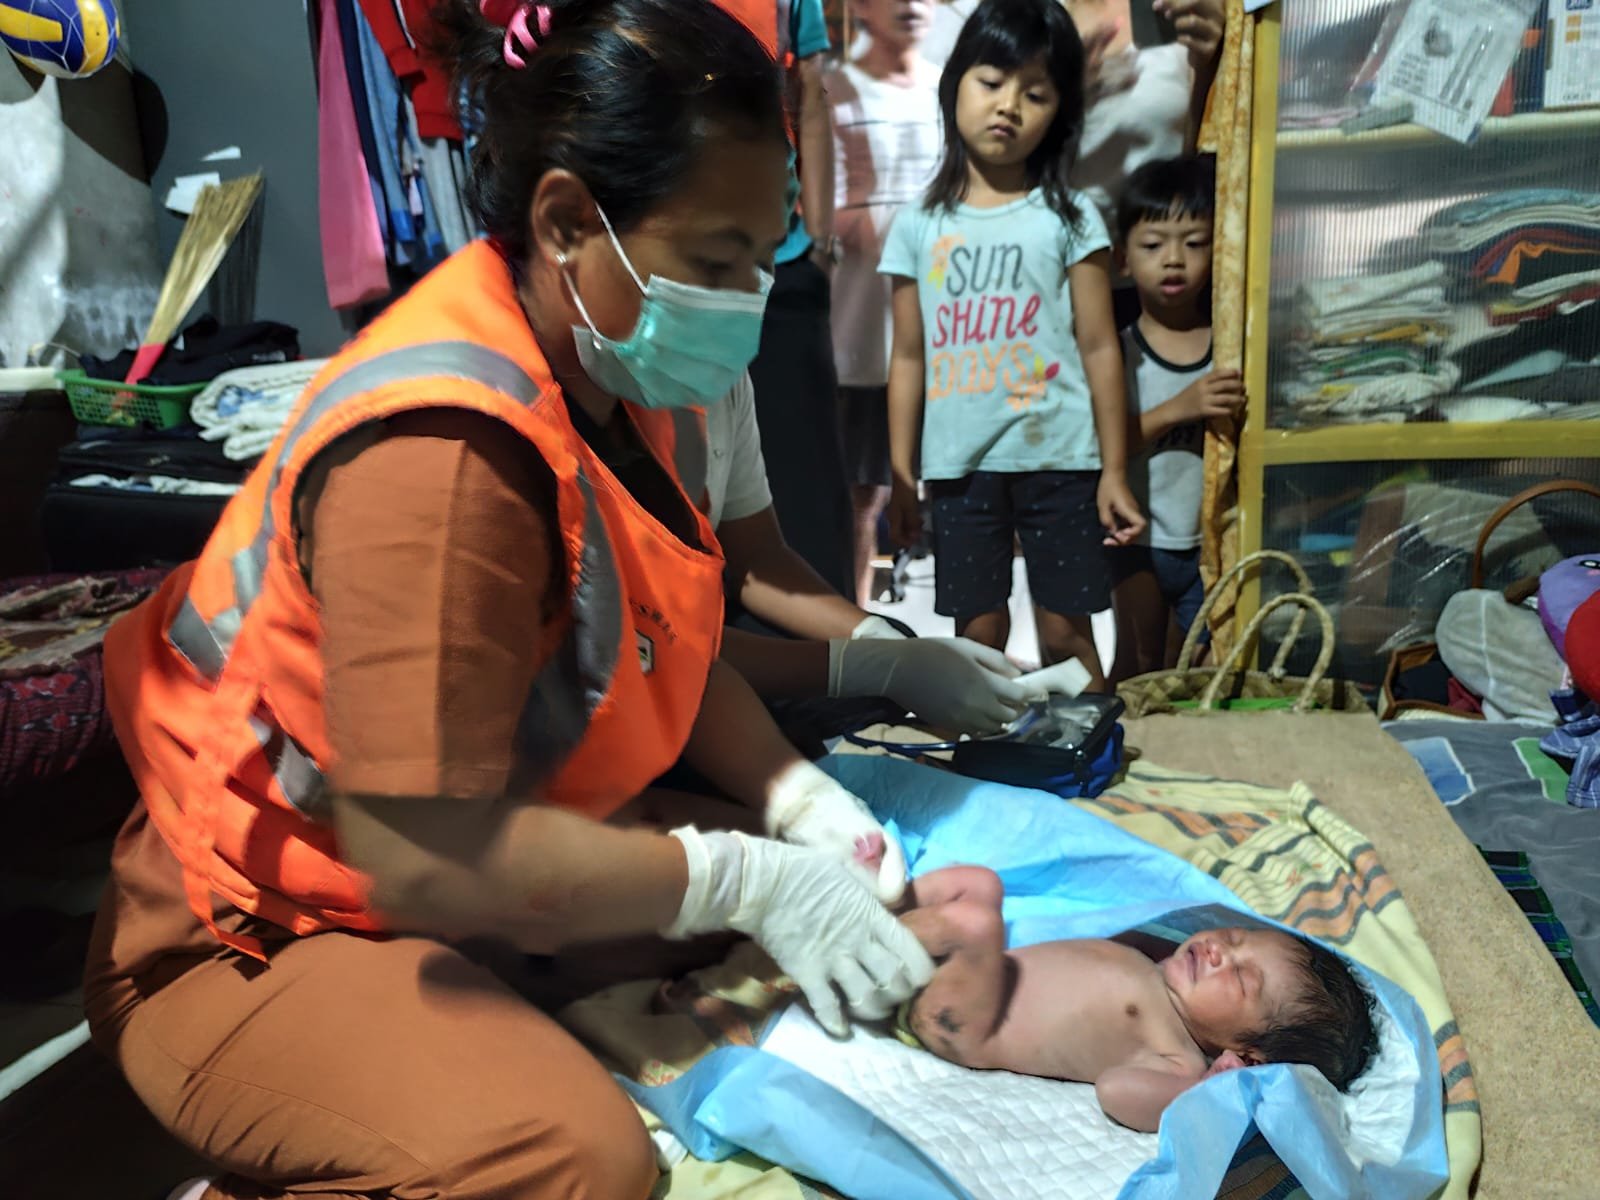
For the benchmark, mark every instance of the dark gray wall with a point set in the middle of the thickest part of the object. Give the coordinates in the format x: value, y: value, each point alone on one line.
x: 222, y: 73
x: 78, y: 259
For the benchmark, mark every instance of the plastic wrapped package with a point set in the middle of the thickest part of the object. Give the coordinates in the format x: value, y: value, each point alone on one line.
x: 1387, y: 544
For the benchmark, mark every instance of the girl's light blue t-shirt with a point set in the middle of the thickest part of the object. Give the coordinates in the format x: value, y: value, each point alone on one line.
x: 1005, y: 384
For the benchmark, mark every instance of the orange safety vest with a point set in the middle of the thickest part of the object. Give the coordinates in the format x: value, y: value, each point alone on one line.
x: 760, y: 17
x: 215, y: 683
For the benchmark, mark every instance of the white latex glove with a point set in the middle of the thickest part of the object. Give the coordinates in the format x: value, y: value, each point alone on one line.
x: 808, y: 807
x: 1067, y: 678
x: 876, y: 627
x: 954, y: 683
x: 821, y: 927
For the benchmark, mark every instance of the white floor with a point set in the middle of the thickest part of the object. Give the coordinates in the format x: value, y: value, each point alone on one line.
x: 916, y: 610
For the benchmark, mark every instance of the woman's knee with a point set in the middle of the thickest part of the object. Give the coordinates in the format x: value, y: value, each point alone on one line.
x: 609, y: 1157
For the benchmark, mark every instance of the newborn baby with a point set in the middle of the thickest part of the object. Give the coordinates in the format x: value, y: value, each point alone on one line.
x: 1140, y: 1019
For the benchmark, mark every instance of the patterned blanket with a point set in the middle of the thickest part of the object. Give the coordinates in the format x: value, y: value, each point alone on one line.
x: 52, y: 689
x: 1294, y: 860
x: 1285, y: 854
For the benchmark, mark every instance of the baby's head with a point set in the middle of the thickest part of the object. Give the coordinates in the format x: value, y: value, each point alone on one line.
x: 1251, y: 996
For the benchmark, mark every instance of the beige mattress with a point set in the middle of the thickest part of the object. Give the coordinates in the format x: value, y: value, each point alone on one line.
x: 1534, y: 1052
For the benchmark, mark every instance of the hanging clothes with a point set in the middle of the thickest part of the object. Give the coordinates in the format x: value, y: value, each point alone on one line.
x: 355, y: 77
x: 353, y: 262
x: 404, y: 29
x: 444, y: 168
x: 414, y: 240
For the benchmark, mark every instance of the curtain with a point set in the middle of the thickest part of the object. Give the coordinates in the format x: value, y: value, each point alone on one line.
x: 1226, y: 131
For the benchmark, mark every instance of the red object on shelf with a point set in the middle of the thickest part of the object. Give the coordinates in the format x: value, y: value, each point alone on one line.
x: 144, y: 361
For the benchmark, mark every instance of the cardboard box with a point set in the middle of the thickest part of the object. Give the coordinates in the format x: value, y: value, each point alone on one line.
x: 1572, y: 56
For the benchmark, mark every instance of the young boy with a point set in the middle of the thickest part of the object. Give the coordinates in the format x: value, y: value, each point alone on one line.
x: 1164, y: 220
x: 887, y: 139
x: 1138, y: 1018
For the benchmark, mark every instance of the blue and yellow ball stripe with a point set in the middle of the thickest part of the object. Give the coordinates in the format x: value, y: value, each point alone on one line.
x: 67, y: 38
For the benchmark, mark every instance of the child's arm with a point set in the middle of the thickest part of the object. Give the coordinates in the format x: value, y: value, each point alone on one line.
x: 1219, y: 394
x: 1201, y: 26
x: 906, y: 385
x: 816, y: 154
x: 1137, y: 1093
x: 1101, y: 351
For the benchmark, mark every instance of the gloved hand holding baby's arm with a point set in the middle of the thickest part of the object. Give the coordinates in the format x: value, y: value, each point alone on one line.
x: 805, y: 909
x: 808, y: 807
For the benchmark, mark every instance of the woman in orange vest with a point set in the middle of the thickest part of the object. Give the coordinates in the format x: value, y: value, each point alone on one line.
x: 462, y: 613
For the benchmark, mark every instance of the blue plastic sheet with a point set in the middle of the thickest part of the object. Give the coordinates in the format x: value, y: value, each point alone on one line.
x: 1067, y: 874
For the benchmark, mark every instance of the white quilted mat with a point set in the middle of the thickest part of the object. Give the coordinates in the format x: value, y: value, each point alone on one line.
x: 1001, y: 1136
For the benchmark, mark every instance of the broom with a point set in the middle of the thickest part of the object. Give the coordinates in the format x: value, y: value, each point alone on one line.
x: 218, y: 213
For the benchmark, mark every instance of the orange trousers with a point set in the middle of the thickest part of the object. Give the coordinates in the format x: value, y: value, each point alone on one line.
x: 376, y: 1069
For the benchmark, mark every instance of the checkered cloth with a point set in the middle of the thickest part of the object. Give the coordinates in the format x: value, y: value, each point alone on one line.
x: 1576, y: 740
x: 1511, y: 868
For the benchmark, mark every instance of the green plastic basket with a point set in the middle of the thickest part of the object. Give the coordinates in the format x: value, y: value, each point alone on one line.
x: 107, y: 402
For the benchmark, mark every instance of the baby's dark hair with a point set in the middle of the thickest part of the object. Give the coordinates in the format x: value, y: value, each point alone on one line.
x: 1329, y: 1025
x: 1009, y: 34
x: 1168, y: 188
x: 620, y: 92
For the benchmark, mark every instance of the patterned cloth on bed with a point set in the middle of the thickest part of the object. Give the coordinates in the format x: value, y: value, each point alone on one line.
x: 52, y: 691
x: 1284, y: 853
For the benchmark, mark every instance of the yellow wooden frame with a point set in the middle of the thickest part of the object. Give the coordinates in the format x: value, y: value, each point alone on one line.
x: 1261, y: 447
x: 1389, y: 443
x: 1251, y: 463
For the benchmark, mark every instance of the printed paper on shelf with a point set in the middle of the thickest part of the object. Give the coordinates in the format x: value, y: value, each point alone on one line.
x: 1572, y: 64
x: 1449, y: 58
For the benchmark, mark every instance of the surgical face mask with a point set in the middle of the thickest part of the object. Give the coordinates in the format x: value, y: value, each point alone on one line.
x: 690, y: 344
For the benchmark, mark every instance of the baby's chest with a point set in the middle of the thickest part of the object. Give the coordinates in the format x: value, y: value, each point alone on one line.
x: 1085, y: 1017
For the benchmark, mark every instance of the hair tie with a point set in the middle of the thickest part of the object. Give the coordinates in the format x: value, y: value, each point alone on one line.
x: 516, y: 25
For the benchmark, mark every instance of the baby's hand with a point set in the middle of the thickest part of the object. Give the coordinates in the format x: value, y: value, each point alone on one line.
x: 1224, y: 1062
x: 1219, y: 394
x: 869, y: 851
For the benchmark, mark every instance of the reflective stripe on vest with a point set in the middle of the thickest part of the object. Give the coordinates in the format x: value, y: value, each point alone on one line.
x: 299, y: 777
x: 571, y: 684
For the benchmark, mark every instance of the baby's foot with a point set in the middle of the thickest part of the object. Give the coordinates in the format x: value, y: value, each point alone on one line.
x: 870, y: 850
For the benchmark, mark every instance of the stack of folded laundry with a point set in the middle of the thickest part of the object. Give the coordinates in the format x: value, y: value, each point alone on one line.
x: 1366, y: 347
x: 1529, y: 261
x: 1529, y: 253
x: 245, y: 409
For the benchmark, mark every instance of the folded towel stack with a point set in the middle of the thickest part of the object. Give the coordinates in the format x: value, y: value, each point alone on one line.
x: 1528, y: 253
x: 245, y: 409
x: 1366, y: 347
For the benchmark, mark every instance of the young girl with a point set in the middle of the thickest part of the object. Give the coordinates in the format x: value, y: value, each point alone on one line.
x: 1006, y: 373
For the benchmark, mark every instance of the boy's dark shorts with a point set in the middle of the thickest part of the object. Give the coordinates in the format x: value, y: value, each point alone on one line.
x: 976, y: 520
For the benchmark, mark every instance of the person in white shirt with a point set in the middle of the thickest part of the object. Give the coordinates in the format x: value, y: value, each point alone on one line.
x: 838, y: 649
x: 887, y: 140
